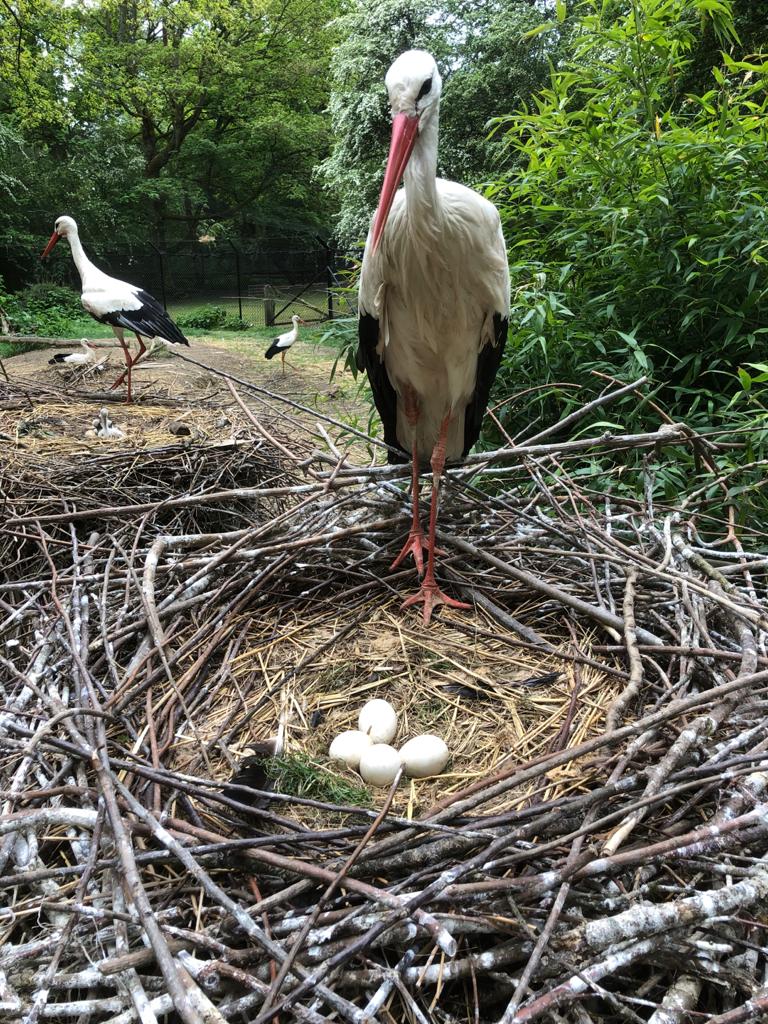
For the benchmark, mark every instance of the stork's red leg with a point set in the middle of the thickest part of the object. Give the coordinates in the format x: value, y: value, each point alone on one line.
x: 416, y: 542
x: 130, y: 363
x: 127, y: 371
x: 429, y: 593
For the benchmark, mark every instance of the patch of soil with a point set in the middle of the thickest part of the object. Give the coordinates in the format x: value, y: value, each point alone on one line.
x: 189, y: 393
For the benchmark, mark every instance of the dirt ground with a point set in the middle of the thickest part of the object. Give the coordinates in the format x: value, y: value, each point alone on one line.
x: 189, y: 392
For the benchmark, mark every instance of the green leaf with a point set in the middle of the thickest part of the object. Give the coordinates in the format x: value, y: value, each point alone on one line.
x: 546, y: 26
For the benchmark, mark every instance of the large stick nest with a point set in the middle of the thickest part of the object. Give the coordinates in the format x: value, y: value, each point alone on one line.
x: 596, y: 848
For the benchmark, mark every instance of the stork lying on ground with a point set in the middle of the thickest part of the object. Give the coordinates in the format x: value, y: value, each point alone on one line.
x: 283, y: 342
x: 75, y: 358
x: 121, y: 305
x: 434, y: 301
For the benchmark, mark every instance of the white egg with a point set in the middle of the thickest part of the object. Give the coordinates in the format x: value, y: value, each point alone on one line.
x: 424, y: 755
x: 380, y: 764
x: 348, y: 746
x: 379, y: 719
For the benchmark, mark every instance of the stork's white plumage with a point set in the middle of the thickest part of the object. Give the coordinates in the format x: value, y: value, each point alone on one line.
x: 75, y: 358
x: 283, y: 342
x: 434, y: 301
x: 123, y: 306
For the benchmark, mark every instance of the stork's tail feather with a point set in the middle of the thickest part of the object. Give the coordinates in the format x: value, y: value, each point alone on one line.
x: 272, y: 351
x: 58, y: 358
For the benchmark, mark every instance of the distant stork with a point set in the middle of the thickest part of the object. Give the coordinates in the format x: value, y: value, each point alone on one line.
x: 75, y: 358
x: 283, y: 342
x: 434, y: 302
x: 121, y: 305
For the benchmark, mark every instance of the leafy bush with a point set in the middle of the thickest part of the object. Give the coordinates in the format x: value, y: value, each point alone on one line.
x: 637, y: 218
x: 232, y: 322
x: 45, y: 309
x: 341, y: 333
x: 204, y: 318
x: 47, y: 298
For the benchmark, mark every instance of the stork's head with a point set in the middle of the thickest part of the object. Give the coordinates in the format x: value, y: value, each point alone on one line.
x: 64, y: 226
x: 413, y: 83
x: 296, y: 320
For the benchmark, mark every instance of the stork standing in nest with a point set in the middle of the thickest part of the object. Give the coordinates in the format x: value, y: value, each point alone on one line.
x: 434, y: 302
x: 75, y: 358
x: 123, y: 306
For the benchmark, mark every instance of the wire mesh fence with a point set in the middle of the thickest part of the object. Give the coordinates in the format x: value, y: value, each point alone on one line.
x: 263, y: 284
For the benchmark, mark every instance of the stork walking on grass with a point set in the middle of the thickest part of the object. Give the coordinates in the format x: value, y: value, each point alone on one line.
x: 283, y: 342
x: 434, y: 302
x: 123, y: 306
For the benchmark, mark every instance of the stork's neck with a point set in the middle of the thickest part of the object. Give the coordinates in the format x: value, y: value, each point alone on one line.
x: 420, y: 174
x: 83, y: 264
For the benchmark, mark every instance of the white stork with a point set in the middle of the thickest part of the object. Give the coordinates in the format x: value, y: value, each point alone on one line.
x: 434, y: 302
x: 283, y: 342
x: 121, y: 305
x: 75, y: 358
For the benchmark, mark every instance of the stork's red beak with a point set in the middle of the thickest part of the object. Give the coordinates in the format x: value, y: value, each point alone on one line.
x: 51, y: 242
x: 404, y: 130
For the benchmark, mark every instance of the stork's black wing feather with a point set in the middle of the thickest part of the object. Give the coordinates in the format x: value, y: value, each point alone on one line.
x: 488, y: 363
x: 150, y: 320
x: 384, y: 395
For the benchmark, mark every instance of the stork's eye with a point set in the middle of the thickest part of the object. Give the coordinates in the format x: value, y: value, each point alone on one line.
x: 424, y: 89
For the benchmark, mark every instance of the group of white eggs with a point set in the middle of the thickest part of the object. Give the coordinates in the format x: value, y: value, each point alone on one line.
x: 368, y: 749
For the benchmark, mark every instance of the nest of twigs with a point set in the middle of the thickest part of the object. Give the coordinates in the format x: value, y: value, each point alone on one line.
x: 597, y: 849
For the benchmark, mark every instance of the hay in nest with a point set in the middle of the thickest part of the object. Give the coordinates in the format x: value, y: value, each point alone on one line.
x: 489, y: 701
x: 597, y: 848
x: 60, y: 429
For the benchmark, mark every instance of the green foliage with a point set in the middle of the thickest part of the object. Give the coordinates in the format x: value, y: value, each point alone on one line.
x: 299, y: 775
x: 202, y: 317
x: 52, y: 299
x: 155, y: 119
x: 232, y: 322
x: 43, y: 309
x: 637, y: 218
x: 206, y: 318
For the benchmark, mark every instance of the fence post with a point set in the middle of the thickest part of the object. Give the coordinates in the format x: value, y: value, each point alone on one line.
x: 236, y: 251
x: 329, y: 281
x: 269, y: 312
x: 160, y: 255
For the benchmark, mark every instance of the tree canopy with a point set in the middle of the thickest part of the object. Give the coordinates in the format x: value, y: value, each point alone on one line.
x: 165, y: 119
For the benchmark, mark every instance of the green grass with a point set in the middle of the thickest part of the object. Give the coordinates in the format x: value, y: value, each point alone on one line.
x: 298, y: 775
x: 309, y: 305
x: 89, y: 328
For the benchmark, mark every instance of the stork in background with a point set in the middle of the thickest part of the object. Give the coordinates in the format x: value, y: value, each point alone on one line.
x: 123, y: 306
x: 283, y: 342
x: 75, y: 358
x: 434, y: 302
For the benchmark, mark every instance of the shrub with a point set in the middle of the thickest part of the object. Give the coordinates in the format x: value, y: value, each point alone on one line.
x: 42, y: 309
x: 637, y: 218
x: 206, y: 318
x: 52, y: 299
x: 232, y: 322
x: 203, y: 318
